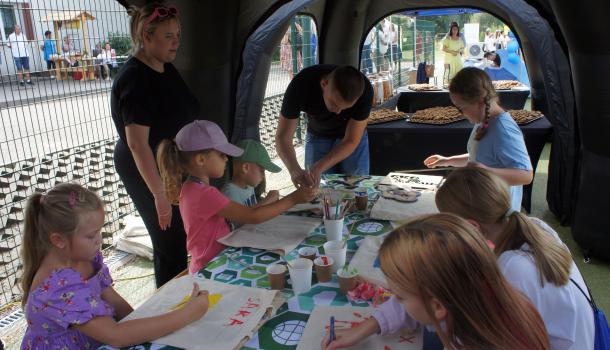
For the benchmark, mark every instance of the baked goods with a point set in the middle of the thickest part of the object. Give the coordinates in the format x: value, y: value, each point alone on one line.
x: 506, y: 84
x: 383, y: 115
x: 423, y: 87
x: 437, y: 115
x: 522, y: 116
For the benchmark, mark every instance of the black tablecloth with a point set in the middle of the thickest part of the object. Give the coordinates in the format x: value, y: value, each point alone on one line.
x: 413, y: 101
x: 401, y: 145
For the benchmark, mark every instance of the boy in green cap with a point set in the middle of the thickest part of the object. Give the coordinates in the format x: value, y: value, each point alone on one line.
x: 248, y: 172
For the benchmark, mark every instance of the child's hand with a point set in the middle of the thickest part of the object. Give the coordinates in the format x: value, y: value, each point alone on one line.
x: 198, y: 303
x: 272, y: 196
x: 304, y: 194
x: 436, y: 160
x: 344, y: 339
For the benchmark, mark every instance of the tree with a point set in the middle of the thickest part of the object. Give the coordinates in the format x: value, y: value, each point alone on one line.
x: 120, y: 42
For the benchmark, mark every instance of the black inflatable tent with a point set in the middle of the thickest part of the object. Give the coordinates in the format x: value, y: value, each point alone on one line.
x: 227, y: 47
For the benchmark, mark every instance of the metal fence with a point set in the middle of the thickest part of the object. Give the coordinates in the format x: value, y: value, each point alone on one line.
x: 297, y: 50
x: 57, y: 127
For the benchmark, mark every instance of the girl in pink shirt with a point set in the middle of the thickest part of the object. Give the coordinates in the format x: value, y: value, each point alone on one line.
x: 186, y: 164
x: 443, y: 274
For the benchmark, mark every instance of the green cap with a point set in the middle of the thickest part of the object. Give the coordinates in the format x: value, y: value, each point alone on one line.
x: 254, y: 152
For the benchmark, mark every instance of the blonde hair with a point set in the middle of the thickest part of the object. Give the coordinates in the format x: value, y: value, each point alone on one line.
x: 174, y: 167
x: 474, y: 85
x: 139, y: 15
x: 60, y: 210
x: 441, y: 256
x: 478, y: 194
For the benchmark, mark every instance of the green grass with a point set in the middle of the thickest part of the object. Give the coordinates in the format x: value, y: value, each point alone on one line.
x: 596, y: 272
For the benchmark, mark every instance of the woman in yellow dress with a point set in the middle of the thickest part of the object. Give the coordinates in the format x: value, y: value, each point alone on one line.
x: 453, y: 46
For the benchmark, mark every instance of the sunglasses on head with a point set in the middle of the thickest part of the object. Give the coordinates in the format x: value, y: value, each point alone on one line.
x: 160, y: 12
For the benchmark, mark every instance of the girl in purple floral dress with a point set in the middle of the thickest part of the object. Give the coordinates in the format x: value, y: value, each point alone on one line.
x: 68, y: 297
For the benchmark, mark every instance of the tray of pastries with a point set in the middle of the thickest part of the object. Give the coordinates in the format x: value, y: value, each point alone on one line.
x: 384, y: 115
x: 423, y: 87
x: 507, y: 84
x: 436, y: 115
x: 522, y: 116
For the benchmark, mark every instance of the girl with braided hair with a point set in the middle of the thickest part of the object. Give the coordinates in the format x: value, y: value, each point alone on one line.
x: 496, y: 142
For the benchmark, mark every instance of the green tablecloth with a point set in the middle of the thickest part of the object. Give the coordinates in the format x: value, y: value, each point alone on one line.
x: 284, y: 330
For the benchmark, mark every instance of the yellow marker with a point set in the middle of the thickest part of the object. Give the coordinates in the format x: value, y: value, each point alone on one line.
x: 213, y: 299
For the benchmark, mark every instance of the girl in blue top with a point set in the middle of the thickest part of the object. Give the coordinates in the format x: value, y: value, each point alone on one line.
x: 496, y: 142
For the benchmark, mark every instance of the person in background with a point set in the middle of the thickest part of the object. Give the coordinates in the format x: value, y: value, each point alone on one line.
x: 97, y: 60
x: 68, y: 50
x: 286, y: 54
x: 453, y: 46
x: 49, y: 49
x: 18, y: 44
x: 367, y: 62
x: 492, y: 59
x: 490, y: 42
x: 109, y: 62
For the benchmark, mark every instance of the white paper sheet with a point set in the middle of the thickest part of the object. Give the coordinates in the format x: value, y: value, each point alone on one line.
x: 282, y: 233
x: 389, y: 209
x: 364, y: 260
x: 349, y: 317
x: 235, y: 315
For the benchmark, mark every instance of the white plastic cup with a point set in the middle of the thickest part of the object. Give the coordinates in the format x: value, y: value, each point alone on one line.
x: 300, y: 274
x: 336, y: 250
x: 334, y: 229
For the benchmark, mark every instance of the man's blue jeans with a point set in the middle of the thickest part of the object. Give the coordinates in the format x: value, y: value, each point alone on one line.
x: 355, y: 164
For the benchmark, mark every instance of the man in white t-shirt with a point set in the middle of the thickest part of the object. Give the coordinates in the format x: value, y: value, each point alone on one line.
x: 18, y: 44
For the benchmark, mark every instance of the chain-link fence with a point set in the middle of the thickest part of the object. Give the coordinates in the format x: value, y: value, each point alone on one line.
x: 57, y: 62
x: 396, y: 46
x: 297, y: 50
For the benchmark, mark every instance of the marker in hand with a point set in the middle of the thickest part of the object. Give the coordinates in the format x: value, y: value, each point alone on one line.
x: 332, y: 336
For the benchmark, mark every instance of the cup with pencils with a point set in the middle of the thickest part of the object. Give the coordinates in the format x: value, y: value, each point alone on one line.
x: 334, y: 217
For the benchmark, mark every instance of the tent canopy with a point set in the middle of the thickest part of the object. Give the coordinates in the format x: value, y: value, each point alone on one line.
x: 439, y: 12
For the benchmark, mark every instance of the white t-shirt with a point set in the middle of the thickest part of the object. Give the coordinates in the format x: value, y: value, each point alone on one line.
x: 108, y: 56
x: 566, y: 313
x: 490, y: 43
x: 18, y: 45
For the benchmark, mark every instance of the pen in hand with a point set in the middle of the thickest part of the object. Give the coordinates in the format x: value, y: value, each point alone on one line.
x: 332, y: 336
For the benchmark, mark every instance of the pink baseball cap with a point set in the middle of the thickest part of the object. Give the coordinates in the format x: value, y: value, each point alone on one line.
x: 204, y: 134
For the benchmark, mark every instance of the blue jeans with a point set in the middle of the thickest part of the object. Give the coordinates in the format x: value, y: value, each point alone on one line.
x: 356, y: 163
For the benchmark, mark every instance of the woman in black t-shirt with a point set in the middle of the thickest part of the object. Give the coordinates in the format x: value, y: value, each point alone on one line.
x: 150, y: 102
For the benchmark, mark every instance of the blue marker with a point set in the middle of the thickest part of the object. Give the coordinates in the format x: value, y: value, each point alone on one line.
x: 332, y: 330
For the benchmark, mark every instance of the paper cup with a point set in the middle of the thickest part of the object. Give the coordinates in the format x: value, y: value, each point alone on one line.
x: 362, y: 201
x: 277, y: 276
x: 337, y: 251
x: 323, y: 265
x: 300, y: 275
x: 334, y: 229
x: 347, y: 282
x: 308, y: 253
